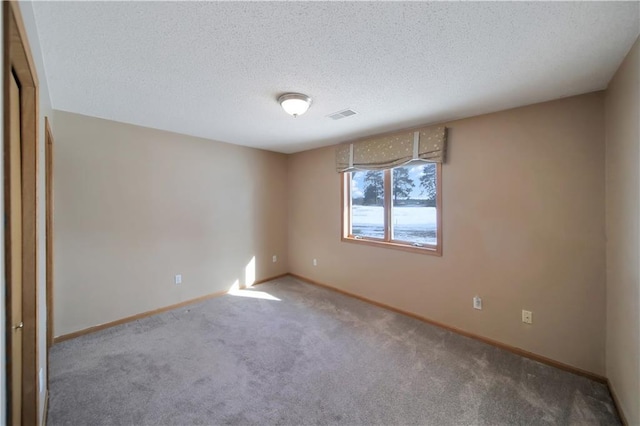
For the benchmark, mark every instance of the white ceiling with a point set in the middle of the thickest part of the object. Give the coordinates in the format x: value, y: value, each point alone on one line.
x: 214, y: 70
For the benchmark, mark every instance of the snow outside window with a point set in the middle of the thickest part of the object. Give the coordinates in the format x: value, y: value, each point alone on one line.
x: 398, y: 207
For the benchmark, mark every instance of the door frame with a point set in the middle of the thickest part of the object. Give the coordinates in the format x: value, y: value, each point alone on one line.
x: 19, y: 61
x: 48, y: 167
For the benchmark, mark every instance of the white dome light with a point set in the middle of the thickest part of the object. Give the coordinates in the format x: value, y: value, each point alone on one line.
x: 295, y: 103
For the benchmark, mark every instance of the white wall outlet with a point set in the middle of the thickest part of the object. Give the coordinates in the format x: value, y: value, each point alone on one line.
x: 527, y: 317
x: 178, y: 279
x: 315, y: 262
x: 274, y: 258
x: 477, y: 302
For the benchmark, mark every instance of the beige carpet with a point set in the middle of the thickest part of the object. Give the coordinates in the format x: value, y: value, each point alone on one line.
x: 292, y: 353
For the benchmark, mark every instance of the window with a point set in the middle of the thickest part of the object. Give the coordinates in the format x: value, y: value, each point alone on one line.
x: 395, y: 208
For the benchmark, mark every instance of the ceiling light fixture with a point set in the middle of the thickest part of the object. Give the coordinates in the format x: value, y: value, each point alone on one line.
x: 295, y: 103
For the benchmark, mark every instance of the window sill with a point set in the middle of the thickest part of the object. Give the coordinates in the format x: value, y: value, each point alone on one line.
x: 428, y: 250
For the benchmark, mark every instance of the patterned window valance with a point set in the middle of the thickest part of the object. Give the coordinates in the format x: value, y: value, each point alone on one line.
x: 384, y: 152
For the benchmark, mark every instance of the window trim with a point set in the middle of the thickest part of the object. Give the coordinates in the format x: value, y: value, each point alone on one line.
x: 387, y: 242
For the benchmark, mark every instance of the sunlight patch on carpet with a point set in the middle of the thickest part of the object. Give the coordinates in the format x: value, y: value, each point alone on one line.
x: 253, y: 294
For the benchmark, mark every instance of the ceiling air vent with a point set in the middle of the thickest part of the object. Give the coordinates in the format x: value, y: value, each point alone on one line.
x: 341, y: 114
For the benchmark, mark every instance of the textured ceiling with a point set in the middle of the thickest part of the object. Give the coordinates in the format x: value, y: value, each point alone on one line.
x: 214, y: 70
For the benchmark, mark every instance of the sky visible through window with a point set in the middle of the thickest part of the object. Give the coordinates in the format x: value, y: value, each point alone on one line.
x: 358, y: 185
x: 413, y: 214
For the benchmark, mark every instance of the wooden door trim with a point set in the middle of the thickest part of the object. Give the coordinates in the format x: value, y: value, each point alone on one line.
x: 19, y: 61
x: 48, y: 136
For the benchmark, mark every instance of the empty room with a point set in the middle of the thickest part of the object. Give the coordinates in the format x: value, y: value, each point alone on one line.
x: 349, y: 213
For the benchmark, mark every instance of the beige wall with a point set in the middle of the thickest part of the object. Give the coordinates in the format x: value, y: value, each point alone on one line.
x: 523, y: 194
x: 135, y: 206
x: 622, y: 112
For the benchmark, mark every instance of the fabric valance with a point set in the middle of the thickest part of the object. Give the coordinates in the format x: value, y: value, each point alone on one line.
x: 397, y: 149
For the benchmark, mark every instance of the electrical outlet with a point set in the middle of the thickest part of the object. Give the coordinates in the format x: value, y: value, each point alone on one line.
x: 315, y: 262
x: 178, y: 279
x: 275, y: 258
x: 527, y: 317
x: 477, y: 302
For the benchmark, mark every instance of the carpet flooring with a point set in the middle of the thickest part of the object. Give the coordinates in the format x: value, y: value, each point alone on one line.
x: 286, y: 352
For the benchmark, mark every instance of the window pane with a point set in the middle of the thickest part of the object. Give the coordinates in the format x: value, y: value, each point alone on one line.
x: 367, y: 204
x: 413, y: 216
